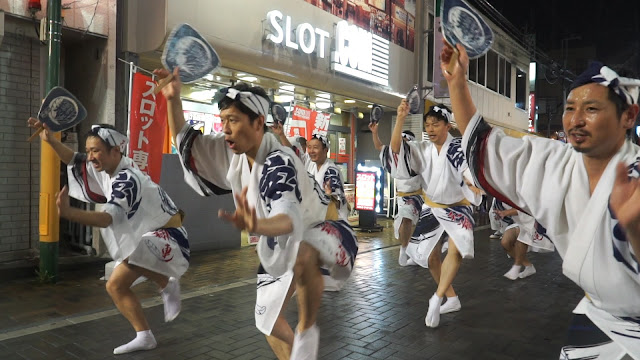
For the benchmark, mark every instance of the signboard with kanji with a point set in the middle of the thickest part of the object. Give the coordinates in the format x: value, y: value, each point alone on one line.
x: 365, y: 190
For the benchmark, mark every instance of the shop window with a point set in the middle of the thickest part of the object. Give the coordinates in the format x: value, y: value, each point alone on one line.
x: 521, y: 89
x: 492, y: 70
x: 473, y: 70
x: 481, y: 69
x: 501, y: 71
x: 507, y: 78
x: 430, y: 49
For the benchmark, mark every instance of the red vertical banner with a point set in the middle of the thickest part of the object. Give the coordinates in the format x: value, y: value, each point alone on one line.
x: 147, y: 126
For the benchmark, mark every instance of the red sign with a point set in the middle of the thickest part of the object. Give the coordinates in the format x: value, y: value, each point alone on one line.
x: 365, y: 190
x: 304, y: 122
x: 147, y: 126
x: 532, y: 112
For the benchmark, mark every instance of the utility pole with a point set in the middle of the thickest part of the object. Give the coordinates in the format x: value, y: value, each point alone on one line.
x: 49, y: 224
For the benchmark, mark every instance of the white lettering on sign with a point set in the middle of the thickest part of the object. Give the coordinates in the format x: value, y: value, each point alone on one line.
x: 361, y: 54
x: 307, y: 38
x: 358, y: 52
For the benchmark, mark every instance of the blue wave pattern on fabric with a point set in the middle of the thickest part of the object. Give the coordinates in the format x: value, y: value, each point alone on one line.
x: 333, y: 177
x: 126, y: 187
x: 278, y: 177
x: 455, y: 155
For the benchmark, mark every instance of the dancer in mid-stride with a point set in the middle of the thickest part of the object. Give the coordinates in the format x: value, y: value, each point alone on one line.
x: 440, y: 163
x: 585, y: 193
x: 140, y: 224
x: 276, y: 199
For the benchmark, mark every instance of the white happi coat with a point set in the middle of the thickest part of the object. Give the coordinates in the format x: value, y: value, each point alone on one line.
x: 548, y: 180
x: 277, y: 183
x: 329, y: 172
x: 138, y: 208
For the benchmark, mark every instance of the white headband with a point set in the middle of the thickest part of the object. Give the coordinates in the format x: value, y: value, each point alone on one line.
x: 256, y: 103
x: 626, y: 88
x: 111, y: 137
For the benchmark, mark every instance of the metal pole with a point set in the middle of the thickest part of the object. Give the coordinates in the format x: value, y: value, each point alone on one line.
x: 49, y: 161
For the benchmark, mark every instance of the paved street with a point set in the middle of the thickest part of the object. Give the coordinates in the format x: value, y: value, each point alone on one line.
x: 379, y: 315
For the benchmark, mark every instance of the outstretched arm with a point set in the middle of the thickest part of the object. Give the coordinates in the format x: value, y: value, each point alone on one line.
x: 85, y: 217
x: 278, y: 130
x: 175, y: 115
x: 376, y: 139
x: 396, y: 136
x: 461, y: 102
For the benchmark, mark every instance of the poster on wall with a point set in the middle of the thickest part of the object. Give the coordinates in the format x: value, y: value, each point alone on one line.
x: 376, y: 16
x: 147, y: 126
x: 305, y: 122
x: 365, y: 190
x: 205, y: 122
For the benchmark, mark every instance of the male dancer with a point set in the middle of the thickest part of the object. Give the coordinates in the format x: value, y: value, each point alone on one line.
x: 409, y: 195
x: 589, y: 200
x: 141, y: 226
x: 518, y: 238
x: 275, y: 199
x: 441, y: 164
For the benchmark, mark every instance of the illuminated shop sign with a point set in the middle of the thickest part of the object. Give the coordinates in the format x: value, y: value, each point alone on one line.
x: 357, y: 53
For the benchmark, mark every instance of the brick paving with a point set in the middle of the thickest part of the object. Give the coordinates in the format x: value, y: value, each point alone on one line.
x: 379, y: 315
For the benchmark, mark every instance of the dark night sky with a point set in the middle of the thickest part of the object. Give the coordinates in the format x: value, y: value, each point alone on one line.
x: 612, y: 27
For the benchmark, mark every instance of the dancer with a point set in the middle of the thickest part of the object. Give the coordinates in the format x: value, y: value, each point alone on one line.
x: 440, y: 163
x: 498, y: 223
x: 409, y: 199
x: 276, y: 199
x: 140, y: 224
x: 586, y: 194
x: 520, y: 237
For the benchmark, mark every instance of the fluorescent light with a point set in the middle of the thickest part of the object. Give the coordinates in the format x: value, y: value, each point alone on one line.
x: 370, y: 106
x: 324, y: 95
x: 323, y: 105
x: 290, y: 88
x: 209, y: 77
x: 249, y: 79
x: 240, y: 74
x: 283, y: 98
x: 202, y: 95
x: 349, y: 101
x: 337, y: 110
x: 360, y: 115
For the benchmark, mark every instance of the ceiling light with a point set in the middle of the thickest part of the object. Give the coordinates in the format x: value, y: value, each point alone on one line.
x: 249, y: 79
x: 240, y: 74
x: 202, y: 95
x: 349, y: 101
x: 323, y: 105
x: 283, y: 98
x: 360, y: 115
x: 209, y: 77
x: 290, y: 88
x: 324, y: 95
x: 370, y: 106
x: 337, y: 110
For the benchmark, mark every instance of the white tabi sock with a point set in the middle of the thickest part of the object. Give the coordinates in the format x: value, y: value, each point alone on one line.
x: 403, y: 257
x: 513, y: 273
x: 144, y: 341
x: 171, y: 299
x: 305, y: 344
x: 528, y: 271
x: 452, y: 305
x: 433, y: 315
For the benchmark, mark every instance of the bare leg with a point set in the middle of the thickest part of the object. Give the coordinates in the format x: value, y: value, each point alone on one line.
x: 509, y: 240
x: 281, y: 338
x: 406, y: 228
x: 435, y: 267
x: 450, y: 267
x: 520, y: 250
x: 119, y: 288
x: 309, y: 284
x: 159, y: 279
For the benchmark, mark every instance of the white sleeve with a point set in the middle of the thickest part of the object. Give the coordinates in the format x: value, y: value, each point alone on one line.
x: 205, y: 160
x: 622, y: 248
x: 84, y: 183
x: 517, y: 170
x: 408, y: 163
